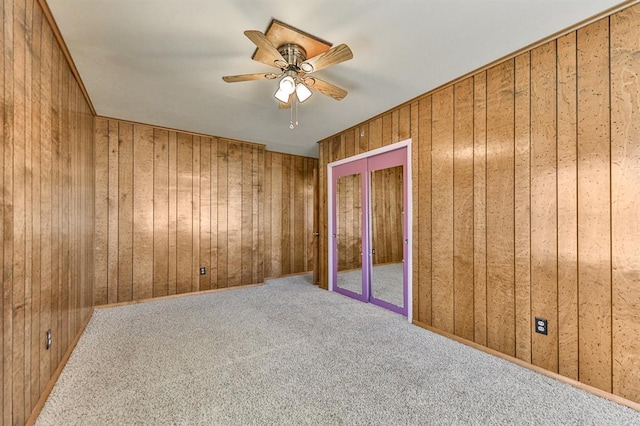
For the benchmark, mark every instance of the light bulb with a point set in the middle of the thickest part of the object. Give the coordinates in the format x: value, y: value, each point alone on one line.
x: 287, y: 85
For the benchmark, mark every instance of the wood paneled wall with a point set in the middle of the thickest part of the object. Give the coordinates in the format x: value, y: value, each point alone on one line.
x: 290, y: 243
x: 168, y: 203
x: 526, y: 203
x: 46, y: 220
x: 386, y: 215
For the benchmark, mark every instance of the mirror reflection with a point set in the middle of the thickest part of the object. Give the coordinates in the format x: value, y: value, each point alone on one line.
x: 387, y: 248
x: 349, y: 232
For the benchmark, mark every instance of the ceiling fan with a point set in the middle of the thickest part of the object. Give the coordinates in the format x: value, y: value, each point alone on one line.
x: 290, y: 57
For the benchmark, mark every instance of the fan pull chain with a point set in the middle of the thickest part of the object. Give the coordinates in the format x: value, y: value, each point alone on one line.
x: 291, y: 122
x: 297, y: 111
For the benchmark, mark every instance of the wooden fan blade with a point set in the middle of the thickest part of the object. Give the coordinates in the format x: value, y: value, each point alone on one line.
x: 325, y: 88
x: 333, y: 56
x: 248, y: 77
x: 262, y: 42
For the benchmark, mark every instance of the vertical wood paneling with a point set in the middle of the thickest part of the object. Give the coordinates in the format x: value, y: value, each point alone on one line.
x: 46, y: 225
x: 544, y: 207
x: 114, y: 200
x: 184, y: 208
x: 480, y: 208
x: 415, y: 219
x: 160, y: 213
x: 625, y: 214
x: 125, y: 211
x: 594, y: 198
x: 500, y: 208
x: 522, y: 200
x: 172, y: 281
x: 185, y: 201
x: 463, y: 209
x: 442, y: 210
x: 101, y: 141
x: 143, y: 213
x: 205, y: 213
x: 567, y: 209
x: 195, y: 215
x: 423, y: 204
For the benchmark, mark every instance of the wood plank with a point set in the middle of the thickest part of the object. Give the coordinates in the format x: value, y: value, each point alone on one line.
x: 55, y: 203
x: 184, y: 200
x: 113, y: 269
x: 195, y: 215
x: 415, y: 216
x: 45, y: 200
x: 214, y: 213
x: 268, y: 212
x: 480, y: 208
x: 246, y: 232
x: 594, y: 206
x: 66, y: 200
x: 298, y: 208
x: 36, y: 255
x: 143, y: 190
x: 286, y: 235
x: 363, y: 138
x: 205, y: 213
x: 500, y: 208
x: 544, y: 207
x: 389, y: 133
x: 172, y: 281
x: 160, y: 212
x: 125, y: 212
x: 223, y: 224
x: 567, y: 209
x: 625, y: 174
x: 522, y: 200
x: 349, y: 143
x: 463, y: 209
x: 375, y: 133
x: 442, y: 210
x: 5, y: 416
x: 234, y: 218
x: 100, y: 282
x: 404, y: 123
x: 423, y: 202
x: 257, y: 171
x: 276, y: 217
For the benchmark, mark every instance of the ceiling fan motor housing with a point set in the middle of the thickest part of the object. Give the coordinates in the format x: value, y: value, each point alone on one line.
x: 293, y: 54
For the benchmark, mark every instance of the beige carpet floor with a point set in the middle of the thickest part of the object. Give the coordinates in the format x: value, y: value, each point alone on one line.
x: 287, y: 353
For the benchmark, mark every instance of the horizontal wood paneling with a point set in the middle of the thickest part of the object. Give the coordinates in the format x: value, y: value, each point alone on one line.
x: 46, y: 220
x: 555, y: 203
x: 288, y: 226
x: 169, y: 204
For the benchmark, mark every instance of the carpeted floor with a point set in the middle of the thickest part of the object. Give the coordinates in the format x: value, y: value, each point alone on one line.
x: 289, y: 353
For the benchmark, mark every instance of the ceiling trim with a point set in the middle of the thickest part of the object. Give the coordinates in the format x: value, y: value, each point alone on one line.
x: 585, y: 22
x: 65, y: 50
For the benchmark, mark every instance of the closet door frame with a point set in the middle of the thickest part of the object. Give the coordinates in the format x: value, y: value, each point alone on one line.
x: 408, y: 216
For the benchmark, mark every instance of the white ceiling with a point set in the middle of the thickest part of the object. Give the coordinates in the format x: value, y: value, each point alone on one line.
x: 161, y: 61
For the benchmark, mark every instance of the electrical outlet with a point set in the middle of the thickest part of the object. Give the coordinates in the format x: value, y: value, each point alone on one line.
x: 541, y: 326
x: 47, y: 339
x: 203, y: 270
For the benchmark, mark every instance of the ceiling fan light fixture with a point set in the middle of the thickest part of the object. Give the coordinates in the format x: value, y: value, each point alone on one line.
x: 287, y: 85
x: 282, y: 96
x: 302, y: 92
x: 306, y: 67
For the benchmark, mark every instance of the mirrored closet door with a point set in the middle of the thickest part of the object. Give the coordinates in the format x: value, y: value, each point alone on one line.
x: 370, y: 230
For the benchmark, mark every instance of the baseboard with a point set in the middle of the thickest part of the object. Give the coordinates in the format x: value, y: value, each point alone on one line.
x: 56, y: 374
x: 175, y: 296
x: 295, y: 274
x: 598, y: 392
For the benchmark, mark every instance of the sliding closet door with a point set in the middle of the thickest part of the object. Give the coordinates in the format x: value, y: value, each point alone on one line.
x: 370, y: 230
x: 388, y: 233
x: 349, y: 227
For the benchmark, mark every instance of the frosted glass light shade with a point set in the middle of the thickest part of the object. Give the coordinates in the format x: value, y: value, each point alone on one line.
x: 302, y: 92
